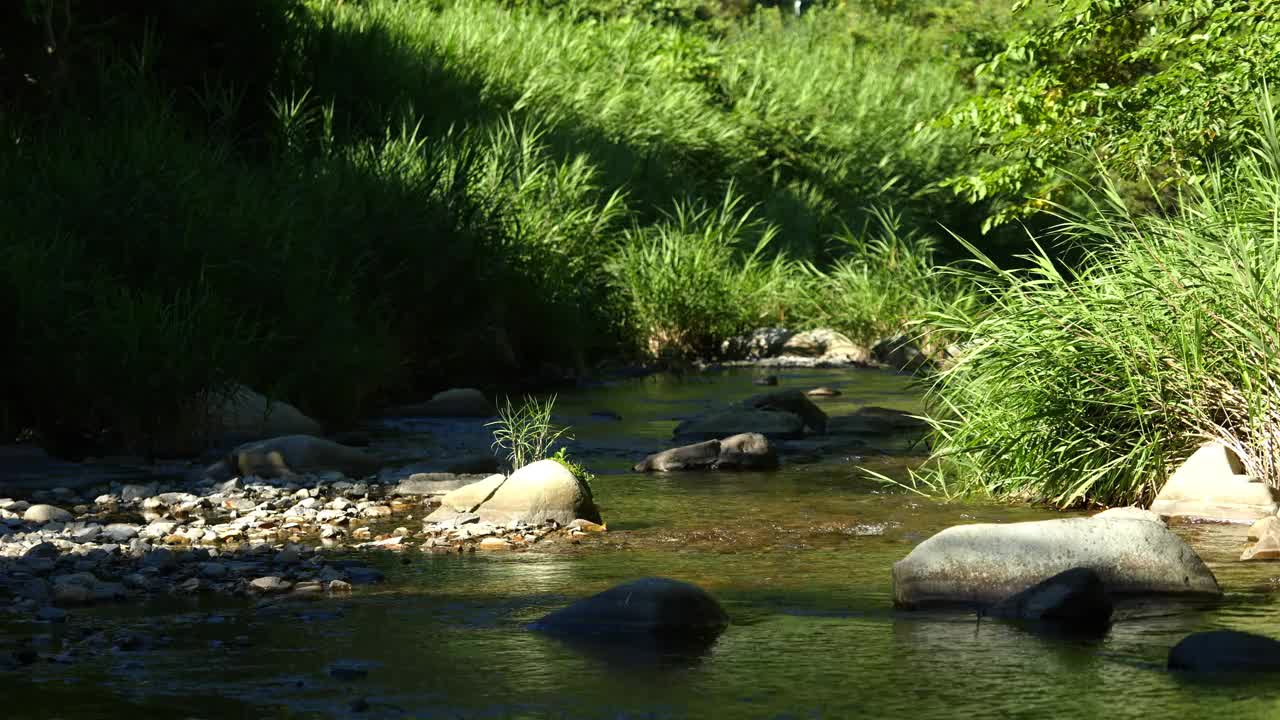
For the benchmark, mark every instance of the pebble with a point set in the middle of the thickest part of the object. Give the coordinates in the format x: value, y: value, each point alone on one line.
x: 270, y: 584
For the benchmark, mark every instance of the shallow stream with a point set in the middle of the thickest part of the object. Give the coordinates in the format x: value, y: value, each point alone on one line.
x: 800, y: 558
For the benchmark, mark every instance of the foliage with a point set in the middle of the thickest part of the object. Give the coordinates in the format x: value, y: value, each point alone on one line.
x: 579, y: 471
x: 1087, y: 385
x: 526, y: 432
x: 1150, y: 89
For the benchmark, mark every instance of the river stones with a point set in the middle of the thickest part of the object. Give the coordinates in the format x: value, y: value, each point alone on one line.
x: 984, y: 563
x: 1225, y: 651
x: 1211, y: 485
x: 45, y: 514
x: 456, y: 402
x: 1074, y: 599
x: 652, y: 606
x: 294, y: 455
x: 699, y: 456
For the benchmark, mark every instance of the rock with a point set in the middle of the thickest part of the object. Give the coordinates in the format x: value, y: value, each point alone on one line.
x: 429, y: 484
x: 538, y: 492
x: 294, y: 455
x: 761, y: 343
x: 133, y: 493
x: 768, y: 380
x: 794, y: 402
x: 1130, y: 513
x: 458, y: 402
x: 243, y: 412
x: 822, y: 392
x: 1261, y: 527
x: 651, y: 606
x: 494, y: 543
x: 339, y: 586
x: 1211, y: 485
x: 828, y: 345
x: 872, y: 420
x: 735, y: 421
x: 270, y: 584
x: 51, y: 614
x: 700, y: 456
x: 469, y: 497
x: 45, y: 514
x: 901, y: 353
x: 1225, y: 651
x: 747, y: 451
x: 120, y: 532
x: 586, y: 526
x: 1074, y: 599
x: 984, y: 563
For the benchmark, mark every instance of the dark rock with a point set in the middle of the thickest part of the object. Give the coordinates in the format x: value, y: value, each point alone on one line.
x: 1225, y: 651
x: 1074, y: 599
x: 701, y: 456
x: 794, y: 402
x: 735, y: 421
x: 650, y: 606
x: 459, y: 402
x: 901, y: 353
x: 769, y: 380
x: 605, y: 415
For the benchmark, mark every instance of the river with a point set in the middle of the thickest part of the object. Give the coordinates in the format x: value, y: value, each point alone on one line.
x: 800, y: 558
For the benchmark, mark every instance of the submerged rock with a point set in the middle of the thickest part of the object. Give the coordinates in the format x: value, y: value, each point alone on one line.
x: 794, y: 402
x: 1074, y: 599
x: 457, y: 402
x: 294, y: 455
x: 699, y: 456
x: 743, y: 451
x: 1211, y: 485
x: 1225, y: 651
x: 735, y: 421
x: 650, y: 606
x: 984, y: 563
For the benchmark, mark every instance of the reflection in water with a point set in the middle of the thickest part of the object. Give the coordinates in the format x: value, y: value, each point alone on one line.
x: 800, y: 560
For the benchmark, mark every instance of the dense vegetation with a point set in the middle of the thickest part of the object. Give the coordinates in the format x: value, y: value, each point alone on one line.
x: 338, y: 203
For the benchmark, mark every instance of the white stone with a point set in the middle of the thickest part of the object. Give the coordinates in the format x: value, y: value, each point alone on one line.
x: 1211, y: 485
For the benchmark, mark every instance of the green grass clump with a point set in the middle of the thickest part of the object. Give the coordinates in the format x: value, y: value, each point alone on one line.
x: 526, y: 432
x: 1088, y: 385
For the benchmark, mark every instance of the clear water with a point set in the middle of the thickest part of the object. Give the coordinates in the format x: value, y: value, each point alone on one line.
x: 800, y: 558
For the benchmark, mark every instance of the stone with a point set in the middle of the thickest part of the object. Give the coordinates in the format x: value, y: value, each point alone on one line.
x: 586, y: 526
x: 495, y: 543
x: 747, y: 451
x: 457, y: 402
x: 339, y: 586
x: 46, y: 514
x: 1074, y: 599
x: 431, y: 484
x: 539, y: 492
x: 873, y: 420
x: 1131, y: 513
x: 294, y: 455
x: 735, y: 421
x: 900, y: 352
x: 982, y: 564
x: 1263, y: 526
x: 244, y: 412
x: 1267, y: 546
x: 761, y: 343
x: 794, y: 402
x: 767, y: 380
x: 822, y: 392
x: 133, y: 493
x: 469, y: 497
x: 1218, y: 651
x: 651, y: 606
x: 700, y: 456
x: 1211, y: 485
x: 120, y: 532
x: 270, y: 584
x: 827, y: 345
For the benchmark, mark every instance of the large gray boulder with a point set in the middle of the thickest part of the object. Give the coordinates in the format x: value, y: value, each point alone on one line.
x: 984, y: 563
x: 294, y: 455
x: 735, y: 421
x: 1219, y: 651
x: 647, y: 607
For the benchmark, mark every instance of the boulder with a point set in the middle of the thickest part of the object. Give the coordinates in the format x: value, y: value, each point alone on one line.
x: 700, y: 456
x: 982, y: 564
x: 761, y: 343
x: 873, y: 420
x: 245, y: 412
x: 468, y: 497
x: 46, y: 513
x: 294, y: 455
x: 900, y: 352
x: 647, y: 607
x: 794, y: 402
x: 1211, y: 485
x: 1267, y: 546
x: 1225, y: 651
x: 828, y: 345
x: 1130, y: 513
x: 747, y: 451
x: 735, y: 421
x: 538, y: 492
x: 457, y: 402
x: 1261, y: 527
x: 1074, y: 599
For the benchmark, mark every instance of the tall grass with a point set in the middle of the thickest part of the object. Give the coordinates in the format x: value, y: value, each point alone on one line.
x: 1089, y: 385
x: 526, y: 432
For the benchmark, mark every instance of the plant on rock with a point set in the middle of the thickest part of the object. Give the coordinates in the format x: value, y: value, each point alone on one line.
x: 526, y: 432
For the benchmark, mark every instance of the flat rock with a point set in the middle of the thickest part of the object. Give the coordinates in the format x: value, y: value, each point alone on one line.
x: 982, y: 564
x: 650, y: 606
x: 1225, y: 651
x: 1211, y: 485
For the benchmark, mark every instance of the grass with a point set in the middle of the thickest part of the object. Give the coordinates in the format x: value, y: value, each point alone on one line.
x: 1089, y: 385
x: 525, y: 432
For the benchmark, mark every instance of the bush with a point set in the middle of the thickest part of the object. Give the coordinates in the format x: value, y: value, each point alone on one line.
x: 1088, y: 385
